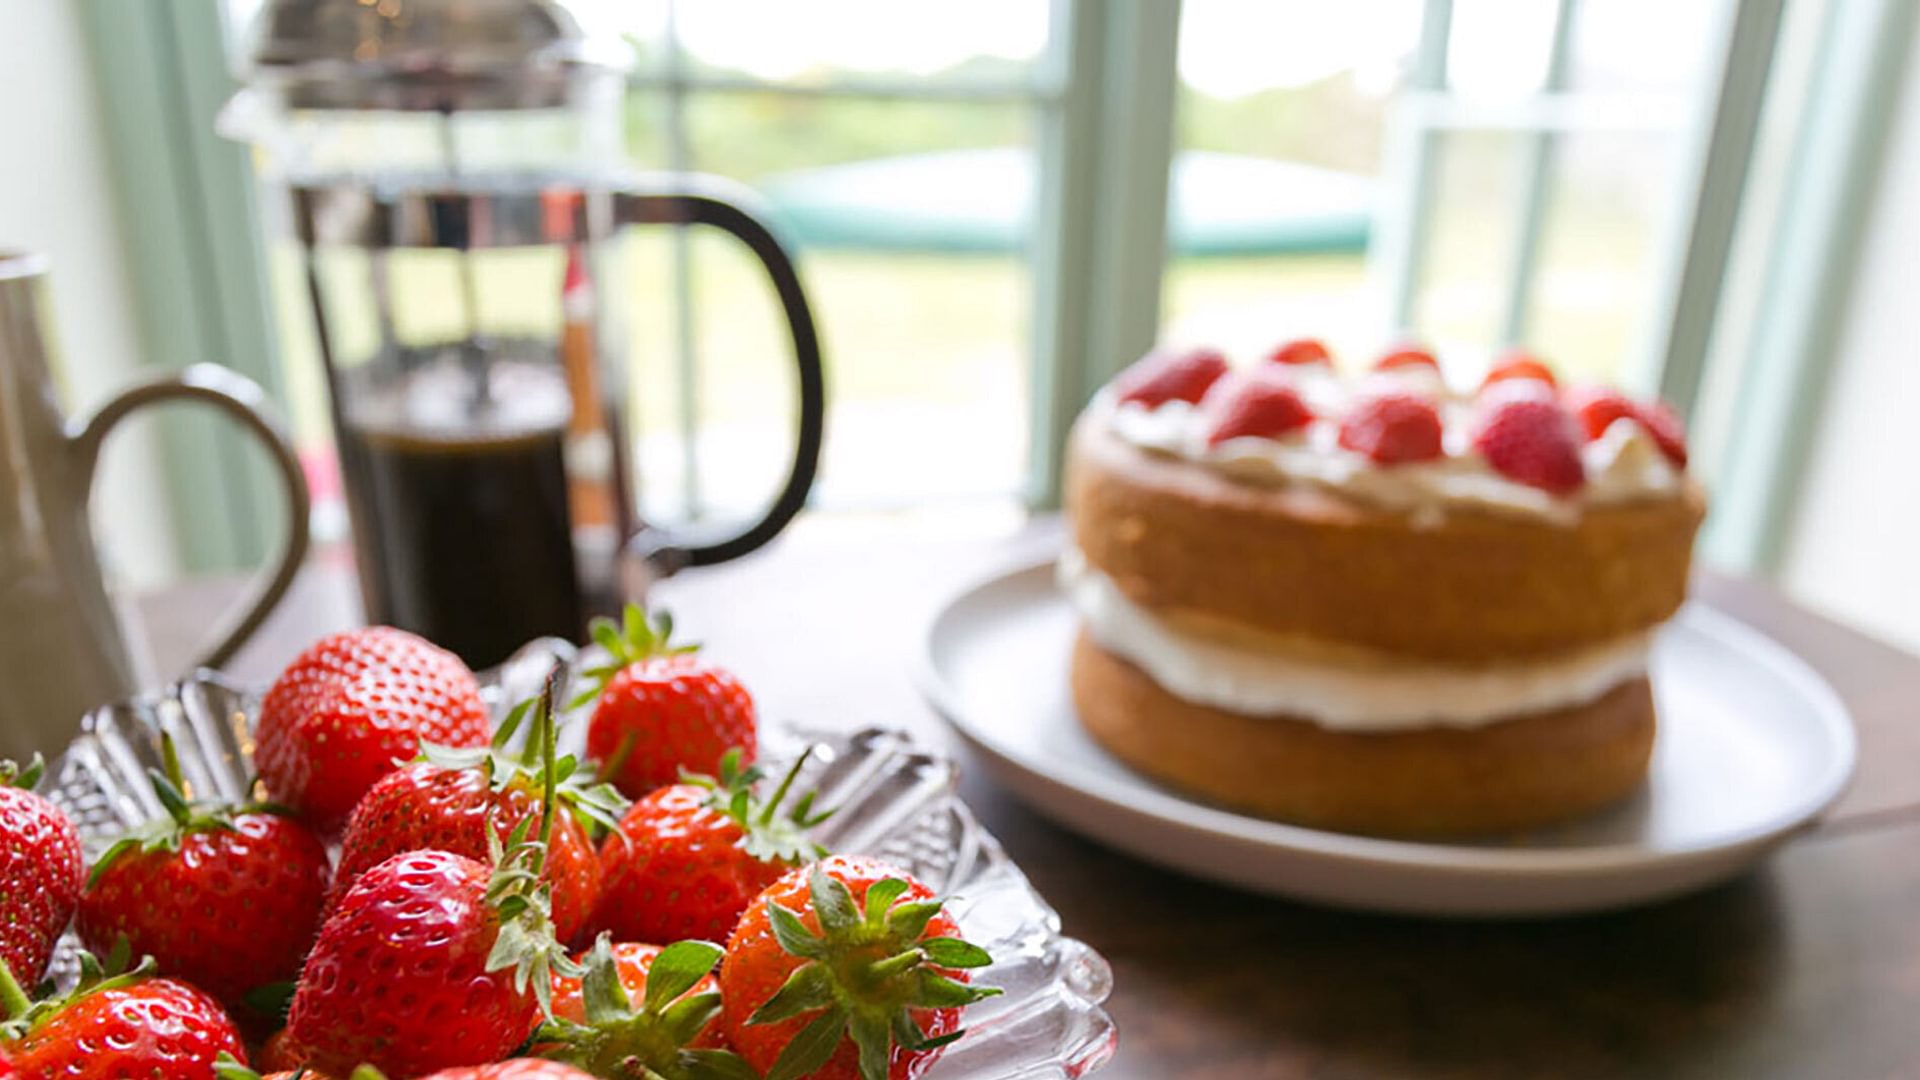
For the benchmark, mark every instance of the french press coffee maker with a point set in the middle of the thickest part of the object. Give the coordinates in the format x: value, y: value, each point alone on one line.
x: 454, y: 173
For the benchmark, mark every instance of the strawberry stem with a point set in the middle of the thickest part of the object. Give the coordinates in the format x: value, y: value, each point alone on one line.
x: 11, y: 996
x: 543, y: 722
x: 170, y: 762
x: 12, y: 775
x: 786, y: 784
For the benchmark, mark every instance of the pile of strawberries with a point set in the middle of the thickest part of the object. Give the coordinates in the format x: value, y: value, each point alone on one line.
x: 1523, y: 425
x: 495, y: 910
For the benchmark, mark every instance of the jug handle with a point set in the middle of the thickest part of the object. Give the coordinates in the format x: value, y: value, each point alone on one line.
x: 708, y: 201
x: 242, y: 399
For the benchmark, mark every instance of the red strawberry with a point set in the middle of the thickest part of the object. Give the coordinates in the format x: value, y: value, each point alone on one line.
x: 434, y: 960
x: 352, y: 707
x: 673, y: 1031
x: 1165, y: 375
x: 688, y: 858
x: 1406, y: 356
x: 464, y: 810
x: 513, y: 1069
x: 847, y: 968
x: 119, y: 1025
x: 1597, y: 407
x: 661, y: 709
x: 227, y: 899
x: 1669, y: 434
x: 1392, y: 428
x: 419, y: 928
x: 1518, y: 364
x: 1529, y: 438
x: 40, y: 872
x: 1301, y: 351
x: 1266, y: 407
x: 279, y: 1054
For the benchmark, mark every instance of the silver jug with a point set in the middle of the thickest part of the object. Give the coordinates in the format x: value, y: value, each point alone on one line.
x: 61, y: 648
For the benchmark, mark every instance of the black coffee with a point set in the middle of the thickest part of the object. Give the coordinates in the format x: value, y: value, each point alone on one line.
x: 460, y: 520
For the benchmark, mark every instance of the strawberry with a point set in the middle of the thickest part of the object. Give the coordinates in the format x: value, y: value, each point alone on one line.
x: 1518, y: 364
x: 1597, y: 407
x: 846, y: 968
x: 1530, y: 438
x: 279, y: 1053
x: 687, y: 859
x: 673, y: 1034
x: 659, y: 709
x: 1265, y: 407
x: 513, y: 1069
x: 1669, y: 434
x: 423, y: 928
x: 352, y: 707
x: 117, y: 1024
x: 1392, y: 427
x: 1406, y: 356
x: 464, y: 801
x: 40, y: 872
x: 1301, y: 351
x: 1165, y: 375
x: 226, y: 898
x: 433, y: 960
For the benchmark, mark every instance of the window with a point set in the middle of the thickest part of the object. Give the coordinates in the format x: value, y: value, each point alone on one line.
x: 985, y: 197
x: 1474, y: 173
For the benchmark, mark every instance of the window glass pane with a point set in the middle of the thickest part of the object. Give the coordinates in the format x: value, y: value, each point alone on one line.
x: 1283, y: 111
x: 909, y: 219
x: 1463, y: 294
x: 1613, y: 52
x: 1499, y: 48
x: 1600, y: 249
x: 841, y: 40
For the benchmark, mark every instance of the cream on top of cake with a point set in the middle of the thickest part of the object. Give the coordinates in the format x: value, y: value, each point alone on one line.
x: 1623, y: 465
x: 1355, y: 691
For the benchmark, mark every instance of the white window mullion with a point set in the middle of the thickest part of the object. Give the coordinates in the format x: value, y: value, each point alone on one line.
x: 1105, y: 158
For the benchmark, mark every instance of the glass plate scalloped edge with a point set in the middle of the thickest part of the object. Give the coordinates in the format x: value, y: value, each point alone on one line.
x: 892, y: 798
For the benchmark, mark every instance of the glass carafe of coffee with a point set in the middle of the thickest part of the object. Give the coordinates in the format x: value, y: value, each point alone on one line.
x: 454, y: 173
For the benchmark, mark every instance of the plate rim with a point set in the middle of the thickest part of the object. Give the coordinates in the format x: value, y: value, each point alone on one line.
x: 1152, y: 801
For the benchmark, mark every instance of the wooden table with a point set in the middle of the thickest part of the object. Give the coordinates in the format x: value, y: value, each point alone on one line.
x: 1809, y: 967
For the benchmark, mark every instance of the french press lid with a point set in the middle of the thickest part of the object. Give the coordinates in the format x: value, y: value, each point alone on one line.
x: 427, y: 55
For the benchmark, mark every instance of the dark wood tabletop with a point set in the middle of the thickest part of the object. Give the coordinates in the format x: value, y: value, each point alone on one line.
x: 1808, y: 967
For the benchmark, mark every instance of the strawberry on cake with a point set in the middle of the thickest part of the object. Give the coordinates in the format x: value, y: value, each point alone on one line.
x: 1372, y: 603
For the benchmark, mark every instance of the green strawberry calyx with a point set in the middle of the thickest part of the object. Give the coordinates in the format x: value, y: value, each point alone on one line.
x: 184, y: 816
x: 864, y: 973
x: 648, y: 1042
x: 768, y: 833
x: 596, y: 805
x: 520, y: 896
x: 23, y: 1014
x: 637, y: 636
x: 13, y: 775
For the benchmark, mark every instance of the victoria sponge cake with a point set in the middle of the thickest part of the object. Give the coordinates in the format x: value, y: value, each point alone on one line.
x: 1371, y: 602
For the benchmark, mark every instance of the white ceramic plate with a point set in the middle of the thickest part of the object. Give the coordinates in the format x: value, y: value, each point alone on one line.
x: 1752, y: 747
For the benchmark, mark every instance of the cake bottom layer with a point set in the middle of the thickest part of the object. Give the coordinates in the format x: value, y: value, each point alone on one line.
x: 1515, y: 774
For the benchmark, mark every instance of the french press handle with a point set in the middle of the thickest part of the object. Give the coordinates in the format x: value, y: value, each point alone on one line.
x: 705, y: 201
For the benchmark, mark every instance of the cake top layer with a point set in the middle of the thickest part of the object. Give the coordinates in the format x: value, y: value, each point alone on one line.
x: 1397, y: 435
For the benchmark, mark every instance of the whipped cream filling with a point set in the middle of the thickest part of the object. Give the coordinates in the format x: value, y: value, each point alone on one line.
x: 1623, y: 465
x: 1348, y: 691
